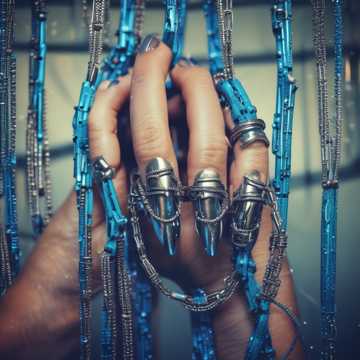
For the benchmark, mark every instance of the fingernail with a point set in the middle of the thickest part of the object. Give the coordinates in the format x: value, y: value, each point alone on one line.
x: 149, y: 43
x: 160, y: 185
x: 208, y: 202
x: 185, y: 62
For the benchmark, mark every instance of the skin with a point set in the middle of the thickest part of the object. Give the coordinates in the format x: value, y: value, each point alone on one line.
x: 40, y: 311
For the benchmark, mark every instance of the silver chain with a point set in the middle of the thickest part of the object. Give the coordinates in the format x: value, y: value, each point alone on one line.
x: 225, y: 24
x: 96, y: 27
x: 139, y: 18
x: 330, y: 139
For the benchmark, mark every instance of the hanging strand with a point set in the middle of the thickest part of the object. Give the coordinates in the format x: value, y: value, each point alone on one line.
x: 114, y: 259
x: 330, y: 143
x: 9, y: 242
x: 281, y: 146
x: 37, y: 147
x: 243, y: 114
x: 118, y: 63
x: 174, y: 27
x: 83, y: 175
x: 247, y: 130
x: 285, y: 102
x: 122, y: 54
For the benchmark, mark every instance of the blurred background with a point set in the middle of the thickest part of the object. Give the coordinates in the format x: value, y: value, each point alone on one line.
x: 254, y: 54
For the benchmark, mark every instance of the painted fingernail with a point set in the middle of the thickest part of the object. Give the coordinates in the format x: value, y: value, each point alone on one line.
x: 149, y: 43
x: 185, y: 62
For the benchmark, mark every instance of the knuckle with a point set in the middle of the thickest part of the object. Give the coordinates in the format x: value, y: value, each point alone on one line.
x: 138, y: 79
x: 94, y: 115
x: 148, y: 143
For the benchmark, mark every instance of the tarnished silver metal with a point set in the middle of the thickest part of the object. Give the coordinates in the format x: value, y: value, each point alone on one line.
x: 248, y: 202
x: 162, y: 190
x: 225, y: 24
x: 102, y: 169
x: 139, y: 201
x: 248, y: 132
x: 124, y: 301
x: 210, y: 202
x: 278, y: 244
x: 192, y: 303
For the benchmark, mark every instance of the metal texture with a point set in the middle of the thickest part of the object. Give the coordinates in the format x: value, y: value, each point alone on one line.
x: 9, y: 243
x: 162, y: 202
x: 83, y: 175
x: 248, y: 132
x: 118, y: 63
x: 215, y: 56
x: 210, y: 201
x: 202, y: 337
x: 139, y: 204
x: 122, y: 54
x: 330, y: 144
x: 231, y: 92
x: 37, y: 147
x: 249, y: 129
x: 285, y: 102
x: 281, y: 147
x: 174, y: 27
x: 115, y: 275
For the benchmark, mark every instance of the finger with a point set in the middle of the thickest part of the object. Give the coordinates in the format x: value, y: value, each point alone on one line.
x: 148, y: 104
x: 151, y: 135
x: 103, y: 139
x: 207, y: 147
x: 103, y: 120
x: 254, y: 157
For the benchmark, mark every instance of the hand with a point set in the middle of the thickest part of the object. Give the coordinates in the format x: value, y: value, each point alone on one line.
x: 191, y: 268
x: 42, y: 307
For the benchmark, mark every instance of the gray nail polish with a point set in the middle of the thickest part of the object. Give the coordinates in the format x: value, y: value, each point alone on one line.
x: 160, y: 185
x: 208, y: 205
x: 149, y: 43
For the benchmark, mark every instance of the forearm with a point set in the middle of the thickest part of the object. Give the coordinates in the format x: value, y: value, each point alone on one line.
x: 39, y: 315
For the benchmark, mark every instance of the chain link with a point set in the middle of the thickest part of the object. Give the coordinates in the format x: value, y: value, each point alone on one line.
x: 38, y: 156
x: 330, y: 144
x: 9, y: 249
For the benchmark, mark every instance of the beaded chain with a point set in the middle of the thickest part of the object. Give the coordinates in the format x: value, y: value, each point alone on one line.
x: 281, y: 15
x: 9, y: 242
x: 37, y: 146
x: 83, y: 175
x: 330, y: 144
x: 127, y: 272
